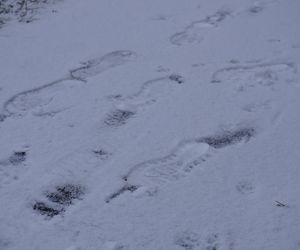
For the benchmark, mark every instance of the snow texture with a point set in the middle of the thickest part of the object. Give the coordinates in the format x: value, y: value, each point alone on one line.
x: 154, y: 125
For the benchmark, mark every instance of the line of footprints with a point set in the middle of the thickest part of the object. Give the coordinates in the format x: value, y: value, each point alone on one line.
x: 184, y: 157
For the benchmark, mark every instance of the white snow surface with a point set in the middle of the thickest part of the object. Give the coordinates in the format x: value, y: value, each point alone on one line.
x: 156, y: 125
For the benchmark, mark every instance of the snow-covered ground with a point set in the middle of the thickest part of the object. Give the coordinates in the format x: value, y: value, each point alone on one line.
x: 156, y: 125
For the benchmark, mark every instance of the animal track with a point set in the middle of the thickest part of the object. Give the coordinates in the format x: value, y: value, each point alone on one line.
x: 196, y: 31
x: 264, y: 75
x: 183, y: 158
x: 58, y: 200
x: 22, y: 102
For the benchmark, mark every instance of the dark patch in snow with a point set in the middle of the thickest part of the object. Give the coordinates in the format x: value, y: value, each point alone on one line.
x: 47, y: 210
x: 177, y: 78
x: 59, y: 200
x: 126, y: 188
x: 66, y: 194
x: 256, y: 9
x: 2, y: 117
x: 17, y: 157
x: 228, y: 138
x: 218, y: 17
x: 24, y: 11
x: 280, y: 204
x: 118, y: 117
x: 102, y: 154
x: 187, y: 240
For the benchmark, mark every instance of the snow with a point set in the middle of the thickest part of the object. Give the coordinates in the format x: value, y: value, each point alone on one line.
x: 151, y: 125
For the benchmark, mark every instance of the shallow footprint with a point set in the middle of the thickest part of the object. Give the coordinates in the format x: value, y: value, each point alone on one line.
x: 259, y: 75
x: 186, y: 156
x: 98, y: 65
x: 150, y: 92
x: 169, y: 168
x: 196, y: 31
x: 24, y: 101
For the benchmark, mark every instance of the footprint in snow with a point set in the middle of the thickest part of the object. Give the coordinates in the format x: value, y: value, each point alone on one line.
x: 25, y: 101
x: 242, y: 78
x: 197, y: 30
x: 149, y: 93
x: 98, y: 65
x: 187, y: 155
x: 57, y: 201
